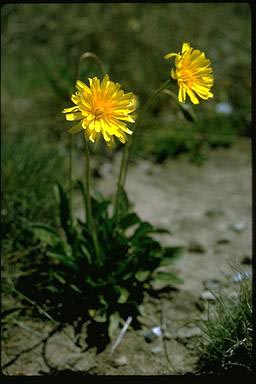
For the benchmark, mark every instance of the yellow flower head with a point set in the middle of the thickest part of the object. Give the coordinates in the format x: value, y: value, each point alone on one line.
x: 193, y: 73
x: 101, y: 108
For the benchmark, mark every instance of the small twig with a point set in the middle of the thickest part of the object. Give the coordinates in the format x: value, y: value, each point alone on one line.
x: 239, y: 365
x: 163, y: 327
x: 21, y: 325
x: 120, y: 336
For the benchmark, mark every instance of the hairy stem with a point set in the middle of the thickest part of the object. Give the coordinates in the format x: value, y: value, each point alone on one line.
x: 70, y: 168
x: 129, y: 146
x: 89, y: 215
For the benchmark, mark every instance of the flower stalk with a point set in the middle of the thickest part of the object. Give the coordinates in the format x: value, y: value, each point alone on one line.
x: 70, y: 168
x: 88, y: 203
x: 84, y: 56
x: 128, y: 148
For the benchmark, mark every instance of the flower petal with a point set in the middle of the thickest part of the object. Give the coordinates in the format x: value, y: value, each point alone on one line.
x: 185, y: 47
x: 169, y: 55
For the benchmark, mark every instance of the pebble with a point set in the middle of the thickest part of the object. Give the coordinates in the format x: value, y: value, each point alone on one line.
x: 200, y: 305
x: 247, y: 260
x: 214, y: 212
x: 120, y: 361
x: 211, y: 284
x: 207, y: 296
x: 156, y: 349
x: 238, y: 227
x: 196, y: 247
x: 240, y: 276
x: 167, y: 335
x: 223, y: 240
x: 186, y: 333
x: 152, y: 334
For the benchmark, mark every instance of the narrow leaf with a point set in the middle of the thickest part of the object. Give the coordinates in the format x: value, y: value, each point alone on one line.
x: 142, y: 275
x: 46, y: 234
x: 124, y: 294
x: 114, y: 321
x: 168, y: 278
x: 129, y: 220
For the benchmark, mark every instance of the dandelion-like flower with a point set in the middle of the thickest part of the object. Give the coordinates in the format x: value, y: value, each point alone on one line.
x: 193, y: 73
x: 102, y: 108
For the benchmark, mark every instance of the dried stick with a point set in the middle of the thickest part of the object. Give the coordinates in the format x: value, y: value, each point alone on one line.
x: 120, y: 336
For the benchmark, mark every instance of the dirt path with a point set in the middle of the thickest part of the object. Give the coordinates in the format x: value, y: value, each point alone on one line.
x: 208, y: 210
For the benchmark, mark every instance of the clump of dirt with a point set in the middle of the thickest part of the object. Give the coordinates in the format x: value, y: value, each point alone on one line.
x: 208, y: 211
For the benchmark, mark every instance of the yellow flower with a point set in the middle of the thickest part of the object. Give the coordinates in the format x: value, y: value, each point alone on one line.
x: 102, y: 108
x: 193, y: 73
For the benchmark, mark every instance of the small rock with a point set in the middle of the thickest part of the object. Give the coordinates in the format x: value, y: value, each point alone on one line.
x: 207, y: 296
x: 223, y: 240
x: 238, y: 227
x: 156, y: 349
x: 167, y: 335
x: 211, y: 284
x: 214, y: 212
x: 240, y: 276
x: 152, y: 334
x: 120, y: 361
x: 186, y: 333
x: 247, y: 260
x: 200, y: 305
x: 196, y: 247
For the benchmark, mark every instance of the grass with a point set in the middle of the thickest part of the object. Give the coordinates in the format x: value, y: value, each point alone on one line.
x: 227, y: 340
x: 29, y: 173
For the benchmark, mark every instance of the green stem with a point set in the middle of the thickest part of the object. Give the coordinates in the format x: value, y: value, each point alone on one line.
x: 128, y: 148
x: 88, y: 202
x: 89, y: 55
x: 70, y: 168
x: 84, y: 56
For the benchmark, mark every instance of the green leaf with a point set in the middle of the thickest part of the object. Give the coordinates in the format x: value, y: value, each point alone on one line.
x: 99, y: 208
x: 143, y: 229
x: 76, y: 128
x: 59, y: 278
x: 114, y: 321
x: 168, y: 278
x: 46, y: 234
x: 64, y: 209
x: 129, y: 220
x: 75, y: 288
x: 170, y: 255
x: 161, y: 230
x: 124, y: 294
x: 188, y: 112
x: 142, y: 275
x: 86, y: 253
x: 100, y: 316
x: 81, y: 187
x: 64, y: 259
x: 124, y: 203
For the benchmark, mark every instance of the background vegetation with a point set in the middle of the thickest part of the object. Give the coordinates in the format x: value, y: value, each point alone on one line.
x: 227, y: 333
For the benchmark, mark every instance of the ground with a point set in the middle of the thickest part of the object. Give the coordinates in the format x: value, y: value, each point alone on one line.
x: 208, y: 211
